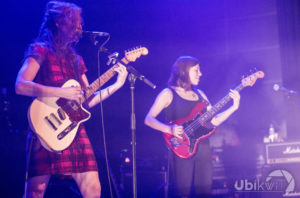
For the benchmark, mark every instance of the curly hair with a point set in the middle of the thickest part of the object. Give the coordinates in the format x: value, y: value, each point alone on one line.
x: 180, y: 72
x: 56, y: 12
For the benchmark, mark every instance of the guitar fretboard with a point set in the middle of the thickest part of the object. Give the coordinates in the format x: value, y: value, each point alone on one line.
x: 217, y: 107
x: 90, y: 90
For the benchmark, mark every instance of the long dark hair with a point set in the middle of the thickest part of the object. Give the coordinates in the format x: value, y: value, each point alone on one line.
x: 180, y: 72
x: 56, y: 12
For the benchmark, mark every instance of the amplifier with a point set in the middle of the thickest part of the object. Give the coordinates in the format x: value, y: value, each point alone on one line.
x: 287, y: 152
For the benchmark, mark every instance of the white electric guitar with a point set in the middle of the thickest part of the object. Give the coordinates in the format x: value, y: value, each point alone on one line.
x: 56, y: 120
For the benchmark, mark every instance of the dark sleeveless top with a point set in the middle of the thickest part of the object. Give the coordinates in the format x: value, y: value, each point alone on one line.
x: 181, y: 108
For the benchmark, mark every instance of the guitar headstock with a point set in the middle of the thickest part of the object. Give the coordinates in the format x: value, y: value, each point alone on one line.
x: 132, y: 55
x: 251, y: 79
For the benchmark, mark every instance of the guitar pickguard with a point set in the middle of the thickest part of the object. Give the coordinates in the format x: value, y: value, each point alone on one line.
x: 194, y: 132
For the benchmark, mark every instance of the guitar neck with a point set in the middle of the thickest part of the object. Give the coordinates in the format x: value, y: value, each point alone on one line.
x: 217, y: 107
x: 94, y: 86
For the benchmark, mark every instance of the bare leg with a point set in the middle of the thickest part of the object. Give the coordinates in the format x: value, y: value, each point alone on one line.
x: 88, y: 183
x: 36, y: 186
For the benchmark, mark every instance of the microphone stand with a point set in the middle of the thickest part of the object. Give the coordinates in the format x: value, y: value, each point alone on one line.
x: 132, y: 79
x: 134, y: 74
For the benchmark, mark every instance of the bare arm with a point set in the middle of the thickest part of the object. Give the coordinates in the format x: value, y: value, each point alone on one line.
x: 162, y: 101
x: 108, y: 91
x: 221, y: 117
x: 25, y: 85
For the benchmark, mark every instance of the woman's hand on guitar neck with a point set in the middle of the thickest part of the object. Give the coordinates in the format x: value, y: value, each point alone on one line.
x: 122, y: 74
x: 177, y: 131
x: 235, y: 95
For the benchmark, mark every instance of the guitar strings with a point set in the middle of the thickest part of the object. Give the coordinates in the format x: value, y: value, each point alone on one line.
x: 198, y: 122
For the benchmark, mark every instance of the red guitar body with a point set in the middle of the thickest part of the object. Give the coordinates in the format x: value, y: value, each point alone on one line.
x: 194, y: 132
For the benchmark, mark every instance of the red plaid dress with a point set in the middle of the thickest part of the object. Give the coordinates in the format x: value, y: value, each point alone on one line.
x: 79, y: 156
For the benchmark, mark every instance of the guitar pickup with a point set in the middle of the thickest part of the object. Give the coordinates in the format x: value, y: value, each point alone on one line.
x: 73, y: 104
x: 61, y: 114
x: 66, y: 131
x: 51, y: 123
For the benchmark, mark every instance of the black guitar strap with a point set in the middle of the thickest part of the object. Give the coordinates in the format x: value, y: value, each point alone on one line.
x: 201, y: 98
x: 76, y: 62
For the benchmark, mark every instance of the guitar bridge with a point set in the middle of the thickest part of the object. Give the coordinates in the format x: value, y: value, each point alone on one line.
x: 66, y: 131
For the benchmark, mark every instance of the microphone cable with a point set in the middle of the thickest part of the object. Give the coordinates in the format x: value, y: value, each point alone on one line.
x: 102, y: 121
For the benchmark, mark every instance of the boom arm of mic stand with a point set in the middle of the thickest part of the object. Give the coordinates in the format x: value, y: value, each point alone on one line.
x: 140, y: 76
x: 132, y: 70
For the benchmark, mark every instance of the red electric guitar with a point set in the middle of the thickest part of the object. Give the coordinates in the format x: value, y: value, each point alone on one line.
x: 56, y: 120
x: 197, y: 125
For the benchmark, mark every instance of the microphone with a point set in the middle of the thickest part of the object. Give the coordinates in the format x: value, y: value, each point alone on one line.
x: 94, y: 34
x: 277, y: 87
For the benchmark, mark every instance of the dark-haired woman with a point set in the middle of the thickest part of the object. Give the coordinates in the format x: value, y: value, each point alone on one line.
x: 49, y: 62
x: 177, y: 101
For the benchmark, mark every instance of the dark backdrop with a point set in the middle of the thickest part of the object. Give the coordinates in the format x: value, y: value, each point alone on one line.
x: 229, y: 38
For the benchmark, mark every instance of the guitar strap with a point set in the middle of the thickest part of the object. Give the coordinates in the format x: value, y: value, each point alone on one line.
x: 76, y: 62
x: 201, y: 98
